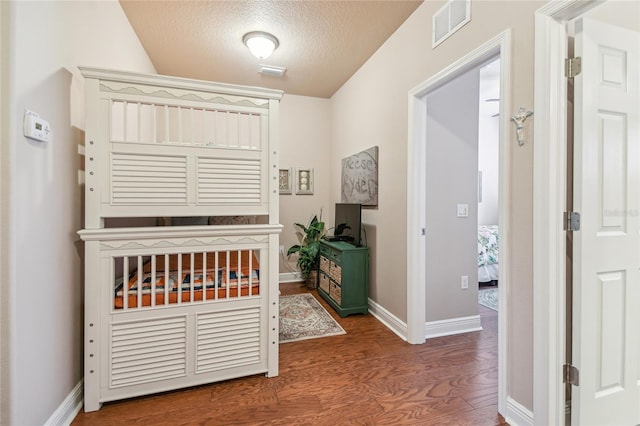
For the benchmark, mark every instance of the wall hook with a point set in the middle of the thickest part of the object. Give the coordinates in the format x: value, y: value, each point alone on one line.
x: 519, y: 119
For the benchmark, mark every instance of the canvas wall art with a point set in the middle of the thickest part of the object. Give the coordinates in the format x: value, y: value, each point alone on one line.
x: 360, y: 178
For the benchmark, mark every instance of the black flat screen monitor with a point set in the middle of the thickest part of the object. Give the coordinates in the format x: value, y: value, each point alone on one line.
x: 347, y: 223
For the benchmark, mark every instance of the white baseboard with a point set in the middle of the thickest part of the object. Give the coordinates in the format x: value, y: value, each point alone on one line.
x: 392, y: 322
x: 70, y: 407
x: 290, y: 277
x: 517, y: 414
x: 452, y: 326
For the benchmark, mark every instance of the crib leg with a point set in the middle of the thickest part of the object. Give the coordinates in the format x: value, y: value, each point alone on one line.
x: 91, y: 403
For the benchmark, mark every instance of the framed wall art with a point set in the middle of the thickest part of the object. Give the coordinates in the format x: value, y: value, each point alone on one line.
x: 284, y: 181
x: 304, y: 181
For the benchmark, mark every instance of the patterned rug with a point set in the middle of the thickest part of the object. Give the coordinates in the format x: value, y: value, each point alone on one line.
x: 488, y: 297
x: 302, y: 317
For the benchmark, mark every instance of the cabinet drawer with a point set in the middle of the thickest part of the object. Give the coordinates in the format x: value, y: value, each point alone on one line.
x: 325, y: 264
x: 330, y: 254
x: 336, y: 272
x: 335, y: 292
x: 324, y: 282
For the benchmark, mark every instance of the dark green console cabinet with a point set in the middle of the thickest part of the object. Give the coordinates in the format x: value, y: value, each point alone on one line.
x: 344, y: 277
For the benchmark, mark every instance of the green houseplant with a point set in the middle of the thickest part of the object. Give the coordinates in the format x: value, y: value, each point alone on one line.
x: 309, y: 249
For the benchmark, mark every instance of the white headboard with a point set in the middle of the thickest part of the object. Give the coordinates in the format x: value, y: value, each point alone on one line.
x: 166, y: 146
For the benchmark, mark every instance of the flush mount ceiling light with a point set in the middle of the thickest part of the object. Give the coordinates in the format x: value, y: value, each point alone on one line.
x: 261, y: 44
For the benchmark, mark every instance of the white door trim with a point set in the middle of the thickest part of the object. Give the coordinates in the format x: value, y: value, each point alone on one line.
x: 416, y: 204
x: 549, y: 189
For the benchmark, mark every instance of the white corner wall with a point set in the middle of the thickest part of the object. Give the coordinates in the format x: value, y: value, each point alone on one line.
x: 47, y: 41
x: 305, y: 133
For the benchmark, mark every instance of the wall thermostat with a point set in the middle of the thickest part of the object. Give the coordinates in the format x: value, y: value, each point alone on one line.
x: 35, y: 127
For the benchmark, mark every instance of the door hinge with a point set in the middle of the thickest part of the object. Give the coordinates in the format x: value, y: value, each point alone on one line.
x: 570, y: 374
x: 572, y: 67
x: 571, y: 221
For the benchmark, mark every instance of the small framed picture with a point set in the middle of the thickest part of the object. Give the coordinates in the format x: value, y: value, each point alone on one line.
x: 304, y: 181
x: 284, y: 181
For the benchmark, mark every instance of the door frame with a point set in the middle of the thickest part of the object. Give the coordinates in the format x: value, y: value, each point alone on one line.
x: 549, y: 189
x: 500, y: 46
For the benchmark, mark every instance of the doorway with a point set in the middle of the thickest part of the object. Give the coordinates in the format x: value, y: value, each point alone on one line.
x: 417, y: 232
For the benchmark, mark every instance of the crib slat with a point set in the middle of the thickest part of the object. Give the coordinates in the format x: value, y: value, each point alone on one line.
x: 239, y: 274
x: 215, y: 127
x: 125, y: 283
x: 204, y: 127
x: 139, y: 275
x: 238, y: 130
x: 155, y: 123
x: 228, y: 273
x: 228, y: 130
x: 124, y: 120
x: 139, y: 139
x: 204, y: 276
x: 179, y: 283
x: 166, y: 123
x: 215, y: 278
x: 250, y: 270
x: 191, y: 277
x: 153, y: 280
x: 180, y: 124
x: 166, y: 279
x: 193, y: 139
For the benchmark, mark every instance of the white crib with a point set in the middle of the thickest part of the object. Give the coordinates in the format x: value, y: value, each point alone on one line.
x: 175, y: 306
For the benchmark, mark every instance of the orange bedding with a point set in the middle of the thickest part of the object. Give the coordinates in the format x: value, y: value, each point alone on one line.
x: 218, y: 285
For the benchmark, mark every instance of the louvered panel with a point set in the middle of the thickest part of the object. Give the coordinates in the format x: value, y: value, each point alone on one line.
x: 224, y: 180
x: 148, y: 351
x: 148, y: 179
x: 228, y: 339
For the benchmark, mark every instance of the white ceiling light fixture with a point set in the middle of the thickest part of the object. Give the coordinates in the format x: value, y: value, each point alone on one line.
x: 260, y: 43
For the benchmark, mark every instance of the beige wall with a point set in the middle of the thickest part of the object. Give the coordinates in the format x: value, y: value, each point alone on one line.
x: 305, y: 134
x: 48, y: 40
x: 371, y: 109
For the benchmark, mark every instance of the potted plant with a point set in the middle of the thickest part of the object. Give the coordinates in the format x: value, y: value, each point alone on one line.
x: 309, y: 249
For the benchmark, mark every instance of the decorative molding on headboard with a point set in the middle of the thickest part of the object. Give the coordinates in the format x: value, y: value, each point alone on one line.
x: 171, y: 82
x: 118, y: 245
x: 137, y: 90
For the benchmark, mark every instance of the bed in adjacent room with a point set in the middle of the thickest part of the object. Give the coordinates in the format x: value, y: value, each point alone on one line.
x: 488, y: 254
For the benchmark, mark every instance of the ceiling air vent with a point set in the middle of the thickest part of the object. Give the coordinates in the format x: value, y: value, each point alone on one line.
x: 449, y: 19
x: 271, y: 70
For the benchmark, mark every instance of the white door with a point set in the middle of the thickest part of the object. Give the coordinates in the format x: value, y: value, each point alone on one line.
x: 606, y: 298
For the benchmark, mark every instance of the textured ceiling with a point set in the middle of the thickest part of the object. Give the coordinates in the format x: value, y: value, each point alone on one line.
x: 322, y: 43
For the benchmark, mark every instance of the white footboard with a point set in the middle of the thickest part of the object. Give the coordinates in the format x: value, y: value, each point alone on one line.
x: 171, y: 307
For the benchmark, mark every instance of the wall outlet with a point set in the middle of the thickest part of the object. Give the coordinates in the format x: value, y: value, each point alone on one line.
x: 464, y: 282
x: 281, y: 249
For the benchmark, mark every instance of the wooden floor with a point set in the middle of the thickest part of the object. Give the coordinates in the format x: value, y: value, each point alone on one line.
x: 367, y: 377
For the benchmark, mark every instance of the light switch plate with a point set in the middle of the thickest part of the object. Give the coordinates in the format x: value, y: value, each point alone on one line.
x: 463, y: 210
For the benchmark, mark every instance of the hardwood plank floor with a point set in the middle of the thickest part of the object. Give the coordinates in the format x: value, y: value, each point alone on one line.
x: 367, y: 377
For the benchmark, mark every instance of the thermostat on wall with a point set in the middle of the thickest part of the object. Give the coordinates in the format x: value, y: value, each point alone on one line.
x: 35, y: 127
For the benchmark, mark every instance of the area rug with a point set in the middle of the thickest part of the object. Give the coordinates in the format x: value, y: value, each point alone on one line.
x: 302, y: 317
x: 488, y: 297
